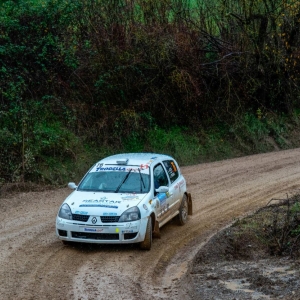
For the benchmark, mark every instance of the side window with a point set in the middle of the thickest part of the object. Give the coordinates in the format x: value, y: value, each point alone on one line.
x: 171, y: 169
x: 160, y: 176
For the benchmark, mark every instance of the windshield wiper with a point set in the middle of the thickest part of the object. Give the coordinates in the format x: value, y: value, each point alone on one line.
x: 142, y: 180
x: 125, y: 178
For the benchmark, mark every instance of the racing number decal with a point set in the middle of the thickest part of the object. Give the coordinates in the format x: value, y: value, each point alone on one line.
x: 172, y: 170
x: 164, y: 206
x: 173, y: 166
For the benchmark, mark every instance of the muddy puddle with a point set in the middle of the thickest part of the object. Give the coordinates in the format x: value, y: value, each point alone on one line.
x: 263, y: 279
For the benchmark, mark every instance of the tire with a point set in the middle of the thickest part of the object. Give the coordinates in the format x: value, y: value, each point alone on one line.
x: 183, y: 211
x: 147, y: 243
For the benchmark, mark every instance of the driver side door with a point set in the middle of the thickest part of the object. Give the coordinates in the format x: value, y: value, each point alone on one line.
x: 163, y: 200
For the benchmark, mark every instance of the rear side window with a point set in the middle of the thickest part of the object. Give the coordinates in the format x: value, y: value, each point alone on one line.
x: 171, y: 169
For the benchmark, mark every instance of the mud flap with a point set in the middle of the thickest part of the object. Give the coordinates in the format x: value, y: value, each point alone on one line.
x: 156, y: 231
x: 190, y: 204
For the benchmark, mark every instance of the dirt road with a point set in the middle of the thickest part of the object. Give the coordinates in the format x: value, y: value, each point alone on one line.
x: 34, y: 264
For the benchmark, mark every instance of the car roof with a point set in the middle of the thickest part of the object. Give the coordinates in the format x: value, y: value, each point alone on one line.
x: 139, y: 158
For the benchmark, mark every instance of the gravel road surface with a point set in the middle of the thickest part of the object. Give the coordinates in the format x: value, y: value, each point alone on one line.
x: 34, y: 264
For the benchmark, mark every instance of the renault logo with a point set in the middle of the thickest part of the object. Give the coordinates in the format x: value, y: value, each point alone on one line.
x: 94, y: 220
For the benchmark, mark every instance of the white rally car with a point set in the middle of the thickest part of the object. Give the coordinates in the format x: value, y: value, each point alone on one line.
x: 124, y: 198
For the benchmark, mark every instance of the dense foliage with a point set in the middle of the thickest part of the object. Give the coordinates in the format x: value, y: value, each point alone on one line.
x: 141, y: 75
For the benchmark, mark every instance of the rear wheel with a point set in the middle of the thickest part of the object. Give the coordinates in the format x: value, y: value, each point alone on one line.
x: 183, y: 211
x: 147, y: 243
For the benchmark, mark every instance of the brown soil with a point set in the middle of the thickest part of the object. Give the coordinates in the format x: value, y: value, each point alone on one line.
x: 34, y: 264
x: 243, y: 261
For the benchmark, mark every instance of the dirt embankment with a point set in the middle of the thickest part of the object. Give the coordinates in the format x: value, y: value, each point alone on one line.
x: 34, y: 264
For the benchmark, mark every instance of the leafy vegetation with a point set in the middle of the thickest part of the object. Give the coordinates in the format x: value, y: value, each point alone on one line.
x: 273, y: 230
x: 200, y: 80
x: 275, y: 227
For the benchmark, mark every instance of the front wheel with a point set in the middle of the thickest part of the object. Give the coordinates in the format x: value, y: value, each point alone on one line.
x: 183, y: 211
x: 147, y: 243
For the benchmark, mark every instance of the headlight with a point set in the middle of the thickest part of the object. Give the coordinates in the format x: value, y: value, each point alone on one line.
x: 65, y: 212
x: 131, y: 214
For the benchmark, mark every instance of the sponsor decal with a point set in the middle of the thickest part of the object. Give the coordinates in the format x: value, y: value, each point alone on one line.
x: 133, y: 227
x: 93, y: 229
x: 130, y: 197
x: 151, y: 160
x: 127, y: 231
x: 179, y: 184
x: 164, y: 209
x: 109, y: 214
x: 162, y: 197
x: 144, y: 167
x: 157, y: 204
x: 102, y: 201
x: 98, y: 205
x: 117, y: 230
x: 110, y: 169
x: 80, y: 212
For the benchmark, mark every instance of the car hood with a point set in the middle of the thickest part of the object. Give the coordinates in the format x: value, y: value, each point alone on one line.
x: 102, y: 204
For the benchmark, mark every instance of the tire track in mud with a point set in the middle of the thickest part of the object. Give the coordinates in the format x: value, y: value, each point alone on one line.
x: 27, y: 243
x: 246, y: 193
x: 35, y: 265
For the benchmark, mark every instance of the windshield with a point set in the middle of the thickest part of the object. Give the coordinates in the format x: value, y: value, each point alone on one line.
x: 116, y: 181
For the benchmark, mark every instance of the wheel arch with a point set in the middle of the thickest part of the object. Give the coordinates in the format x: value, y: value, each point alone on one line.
x: 152, y: 216
x: 190, y: 203
x: 155, y: 226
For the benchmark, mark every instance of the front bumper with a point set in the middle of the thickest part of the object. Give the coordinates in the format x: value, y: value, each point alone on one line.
x: 102, y: 233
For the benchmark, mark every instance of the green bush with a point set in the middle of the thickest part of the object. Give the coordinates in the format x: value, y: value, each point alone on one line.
x: 180, y: 77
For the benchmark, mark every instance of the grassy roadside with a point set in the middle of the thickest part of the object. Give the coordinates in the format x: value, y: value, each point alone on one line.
x: 272, y: 231
x: 257, y: 257
x: 251, y: 134
x: 56, y: 156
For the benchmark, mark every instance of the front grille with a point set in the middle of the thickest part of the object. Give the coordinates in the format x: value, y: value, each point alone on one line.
x: 82, y: 218
x: 130, y: 236
x: 95, y: 236
x: 104, y: 219
x: 110, y: 219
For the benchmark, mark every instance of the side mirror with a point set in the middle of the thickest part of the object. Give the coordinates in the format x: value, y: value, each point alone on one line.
x: 162, y: 189
x: 72, y: 185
